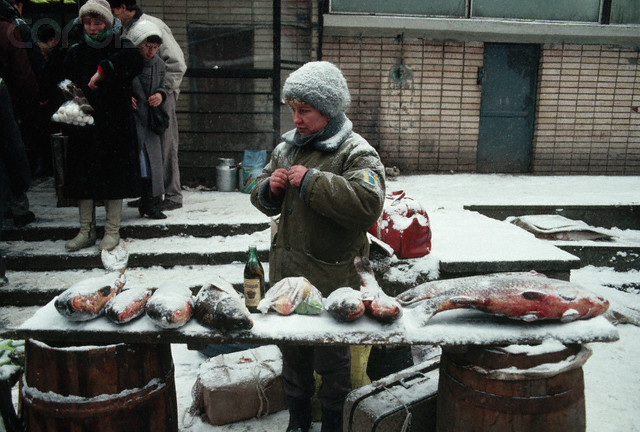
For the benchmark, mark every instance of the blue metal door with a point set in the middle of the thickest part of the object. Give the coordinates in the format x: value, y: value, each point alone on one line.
x: 509, y: 78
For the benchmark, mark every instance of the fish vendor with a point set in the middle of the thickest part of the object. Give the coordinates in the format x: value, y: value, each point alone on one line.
x: 327, y: 184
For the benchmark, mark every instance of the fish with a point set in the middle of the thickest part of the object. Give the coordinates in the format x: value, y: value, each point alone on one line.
x: 377, y: 303
x: 219, y: 306
x: 127, y: 305
x: 345, y: 304
x: 528, y: 298
x: 170, y: 307
x: 430, y: 289
x: 85, y: 300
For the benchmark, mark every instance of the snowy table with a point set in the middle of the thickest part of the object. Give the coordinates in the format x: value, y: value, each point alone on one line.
x: 452, y: 329
x: 456, y: 327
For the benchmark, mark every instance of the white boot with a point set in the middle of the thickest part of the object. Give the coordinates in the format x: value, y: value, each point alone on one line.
x: 111, y: 237
x: 87, y: 235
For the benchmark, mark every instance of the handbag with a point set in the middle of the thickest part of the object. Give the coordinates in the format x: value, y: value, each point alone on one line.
x: 404, y: 225
x: 158, y: 120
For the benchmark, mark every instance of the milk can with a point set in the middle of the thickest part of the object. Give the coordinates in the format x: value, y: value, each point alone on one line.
x: 226, y: 175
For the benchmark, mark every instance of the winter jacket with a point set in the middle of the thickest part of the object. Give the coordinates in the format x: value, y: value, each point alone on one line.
x: 102, y: 160
x: 169, y: 50
x: 154, y: 71
x: 323, y: 224
x: 15, y: 68
x: 15, y: 175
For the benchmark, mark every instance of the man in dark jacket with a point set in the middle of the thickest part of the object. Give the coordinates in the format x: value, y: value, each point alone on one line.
x: 15, y: 177
x: 327, y: 184
x: 22, y: 87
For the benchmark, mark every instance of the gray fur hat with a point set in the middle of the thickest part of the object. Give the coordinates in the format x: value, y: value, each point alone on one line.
x: 321, y: 85
x: 98, y: 7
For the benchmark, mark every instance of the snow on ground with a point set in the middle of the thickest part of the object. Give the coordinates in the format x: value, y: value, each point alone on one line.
x: 611, y: 378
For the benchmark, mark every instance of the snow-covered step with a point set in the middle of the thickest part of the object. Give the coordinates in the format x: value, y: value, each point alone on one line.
x: 38, y: 288
x: 164, y: 252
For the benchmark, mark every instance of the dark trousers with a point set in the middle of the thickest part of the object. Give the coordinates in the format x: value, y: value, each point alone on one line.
x: 333, y: 363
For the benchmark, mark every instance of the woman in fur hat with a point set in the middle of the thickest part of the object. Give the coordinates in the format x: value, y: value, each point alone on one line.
x: 102, y: 160
x: 327, y: 184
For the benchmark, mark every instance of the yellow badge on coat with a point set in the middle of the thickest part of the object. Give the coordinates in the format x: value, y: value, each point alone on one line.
x: 371, y: 178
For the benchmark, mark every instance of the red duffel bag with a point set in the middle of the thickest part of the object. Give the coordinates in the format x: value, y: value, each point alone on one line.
x: 404, y: 225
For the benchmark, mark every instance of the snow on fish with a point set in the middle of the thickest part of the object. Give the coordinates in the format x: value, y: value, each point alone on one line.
x: 219, y: 306
x: 345, y: 304
x: 127, y: 305
x: 430, y: 289
x: 524, y: 297
x: 377, y: 304
x: 86, y: 299
x: 170, y: 307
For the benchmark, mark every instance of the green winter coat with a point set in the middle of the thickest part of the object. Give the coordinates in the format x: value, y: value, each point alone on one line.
x: 323, y: 224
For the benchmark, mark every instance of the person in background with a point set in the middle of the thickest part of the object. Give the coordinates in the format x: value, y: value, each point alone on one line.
x: 102, y: 160
x: 130, y: 14
x: 327, y: 184
x: 149, y: 94
x: 33, y: 122
x: 15, y: 176
x: 22, y: 86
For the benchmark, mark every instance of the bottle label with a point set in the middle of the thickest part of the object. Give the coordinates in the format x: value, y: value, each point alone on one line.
x: 252, y: 292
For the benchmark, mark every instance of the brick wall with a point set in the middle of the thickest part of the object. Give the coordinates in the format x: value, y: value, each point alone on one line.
x: 585, y: 123
x: 426, y: 122
x: 429, y: 122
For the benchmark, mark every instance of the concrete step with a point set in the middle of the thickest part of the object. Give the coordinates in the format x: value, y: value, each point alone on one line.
x: 29, y: 288
x: 164, y: 252
x: 605, y: 216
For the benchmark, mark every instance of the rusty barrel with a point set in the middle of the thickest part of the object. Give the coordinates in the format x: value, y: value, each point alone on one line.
x: 519, y: 388
x: 120, y: 387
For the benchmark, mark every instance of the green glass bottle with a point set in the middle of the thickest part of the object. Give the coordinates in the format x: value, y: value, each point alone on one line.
x: 253, y: 281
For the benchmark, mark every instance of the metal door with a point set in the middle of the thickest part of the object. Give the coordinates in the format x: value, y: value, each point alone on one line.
x: 509, y: 78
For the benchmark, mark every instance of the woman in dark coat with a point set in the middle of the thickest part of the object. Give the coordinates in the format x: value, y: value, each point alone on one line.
x: 102, y: 160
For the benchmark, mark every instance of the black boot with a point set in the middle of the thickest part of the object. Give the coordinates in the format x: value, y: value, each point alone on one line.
x: 147, y: 205
x: 299, y: 414
x: 331, y: 420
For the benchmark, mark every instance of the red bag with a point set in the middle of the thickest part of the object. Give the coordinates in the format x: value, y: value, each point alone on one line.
x: 404, y: 225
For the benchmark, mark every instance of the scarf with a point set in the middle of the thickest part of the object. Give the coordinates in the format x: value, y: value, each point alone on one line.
x: 327, y: 139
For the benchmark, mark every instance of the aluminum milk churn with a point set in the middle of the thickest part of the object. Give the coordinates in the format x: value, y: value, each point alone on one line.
x: 226, y: 175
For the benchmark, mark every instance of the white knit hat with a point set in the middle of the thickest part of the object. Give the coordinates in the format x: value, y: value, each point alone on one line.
x: 141, y: 30
x: 98, y: 7
x: 321, y: 85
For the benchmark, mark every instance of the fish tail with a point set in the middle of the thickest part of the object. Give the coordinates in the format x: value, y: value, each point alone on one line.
x: 429, y: 315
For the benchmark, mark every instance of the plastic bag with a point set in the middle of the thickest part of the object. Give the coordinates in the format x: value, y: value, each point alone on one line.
x: 292, y: 294
x: 251, y: 168
x: 76, y: 110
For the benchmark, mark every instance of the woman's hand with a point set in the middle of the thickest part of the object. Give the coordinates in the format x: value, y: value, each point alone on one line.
x: 155, y: 100
x: 296, y: 174
x: 278, y: 181
x: 95, y: 79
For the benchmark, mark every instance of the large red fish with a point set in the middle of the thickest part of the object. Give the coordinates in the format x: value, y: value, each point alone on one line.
x: 376, y: 302
x: 427, y: 290
x: 525, y: 297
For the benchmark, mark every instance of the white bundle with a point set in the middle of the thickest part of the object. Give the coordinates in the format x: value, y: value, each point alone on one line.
x: 70, y: 113
x: 76, y: 110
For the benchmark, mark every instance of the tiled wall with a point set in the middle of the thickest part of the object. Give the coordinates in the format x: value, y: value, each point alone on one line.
x: 418, y: 103
x: 586, y: 123
x: 585, y: 118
